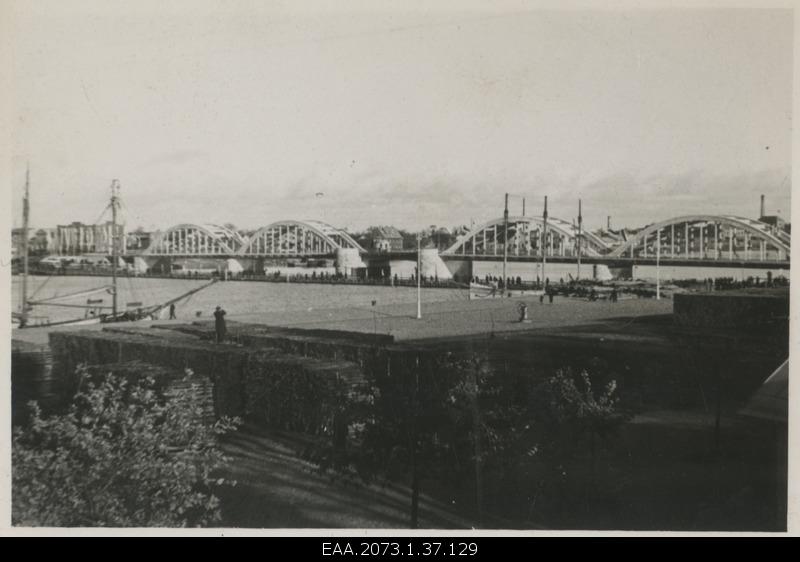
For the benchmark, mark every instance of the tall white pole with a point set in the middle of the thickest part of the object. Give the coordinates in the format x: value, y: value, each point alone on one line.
x: 505, y: 244
x: 544, y: 241
x: 419, y: 277
x: 658, y: 265
x: 580, y: 234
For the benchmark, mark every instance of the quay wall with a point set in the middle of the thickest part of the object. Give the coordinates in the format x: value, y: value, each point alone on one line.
x: 731, y: 308
x: 683, y: 272
x: 286, y: 379
x: 261, y: 383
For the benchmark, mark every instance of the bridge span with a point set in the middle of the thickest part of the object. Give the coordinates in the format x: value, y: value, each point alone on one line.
x: 711, y: 245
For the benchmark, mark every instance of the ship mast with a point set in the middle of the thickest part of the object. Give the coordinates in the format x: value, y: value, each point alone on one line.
x: 114, y: 203
x: 25, y: 220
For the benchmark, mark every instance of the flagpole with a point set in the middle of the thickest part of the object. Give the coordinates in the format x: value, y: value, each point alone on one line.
x: 419, y: 277
x: 505, y: 244
x: 544, y: 241
x: 580, y: 234
x: 658, y: 264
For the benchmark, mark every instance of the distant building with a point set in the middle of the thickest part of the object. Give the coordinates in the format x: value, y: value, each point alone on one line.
x: 610, y: 237
x: 137, y: 240
x: 387, y: 239
x: 776, y: 222
x: 17, y: 238
x: 78, y: 238
x: 44, y: 241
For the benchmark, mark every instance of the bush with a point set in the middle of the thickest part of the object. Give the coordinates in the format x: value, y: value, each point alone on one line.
x: 123, y: 455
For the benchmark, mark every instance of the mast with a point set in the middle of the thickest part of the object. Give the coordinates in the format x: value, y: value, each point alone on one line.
x: 25, y: 220
x: 114, y: 203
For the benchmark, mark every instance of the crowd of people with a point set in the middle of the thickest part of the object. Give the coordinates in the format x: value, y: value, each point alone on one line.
x: 731, y: 283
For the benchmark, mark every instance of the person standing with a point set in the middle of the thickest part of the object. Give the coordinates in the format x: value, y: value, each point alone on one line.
x: 219, y: 324
x: 172, y: 312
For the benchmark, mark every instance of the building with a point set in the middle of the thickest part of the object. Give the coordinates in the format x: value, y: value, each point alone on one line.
x: 43, y: 242
x: 387, y: 239
x: 776, y: 222
x: 17, y: 238
x: 137, y: 240
x: 78, y: 238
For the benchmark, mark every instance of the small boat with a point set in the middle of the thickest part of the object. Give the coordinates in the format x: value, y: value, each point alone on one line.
x: 135, y: 312
x: 479, y: 291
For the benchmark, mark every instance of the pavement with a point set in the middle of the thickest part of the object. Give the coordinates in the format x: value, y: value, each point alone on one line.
x: 277, y: 489
x: 443, y: 319
x: 463, y: 318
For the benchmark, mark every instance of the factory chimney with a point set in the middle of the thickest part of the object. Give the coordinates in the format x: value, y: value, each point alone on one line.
x: 762, y: 206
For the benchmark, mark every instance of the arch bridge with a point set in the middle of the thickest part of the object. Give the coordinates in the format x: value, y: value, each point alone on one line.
x: 708, y: 237
x: 282, y: 238
x: 195, y: 240
x: 527, y: 237
x: 298, y: 238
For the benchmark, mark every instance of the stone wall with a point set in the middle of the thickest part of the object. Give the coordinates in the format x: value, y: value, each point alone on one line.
x: 306, y: 381
x: 258, y: 382
x: 729, y: 309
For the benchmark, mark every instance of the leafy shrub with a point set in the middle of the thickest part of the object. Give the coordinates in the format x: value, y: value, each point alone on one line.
x: 124, y: 454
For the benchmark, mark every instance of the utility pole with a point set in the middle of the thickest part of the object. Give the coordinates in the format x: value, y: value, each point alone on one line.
x: 25, y: 219
x: 505, y: 244
x: 544, y: 242
x: 114, y: 203
x: 580, y: 235
x: 419, y: 276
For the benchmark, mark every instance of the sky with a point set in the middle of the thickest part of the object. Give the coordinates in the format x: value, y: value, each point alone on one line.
x: 251, y: 112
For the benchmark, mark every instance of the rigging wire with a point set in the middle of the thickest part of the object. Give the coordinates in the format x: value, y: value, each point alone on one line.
x: 102, y: 213
x: 40, y: 287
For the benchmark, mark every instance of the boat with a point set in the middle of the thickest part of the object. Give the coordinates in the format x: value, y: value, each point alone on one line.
x: 95, y: 311
x: 480, y: 291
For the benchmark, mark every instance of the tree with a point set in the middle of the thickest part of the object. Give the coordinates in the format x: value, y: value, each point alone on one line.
x: 423, y: 420
x: 402, y: 421
x: 124, y: 454
x: 582, y: 411
x: 573, y: 416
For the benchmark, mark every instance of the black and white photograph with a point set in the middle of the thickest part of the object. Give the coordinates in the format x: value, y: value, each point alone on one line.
x: 383, y: 266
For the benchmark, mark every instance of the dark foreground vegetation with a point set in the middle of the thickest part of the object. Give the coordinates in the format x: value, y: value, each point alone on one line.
x: 124, y: 454
x: 509, y: 432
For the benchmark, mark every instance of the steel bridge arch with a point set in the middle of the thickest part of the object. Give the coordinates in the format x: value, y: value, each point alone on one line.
x: 592, y: 245
x: 195, y: 239
x: 761, y: 231
x: 297, y: 238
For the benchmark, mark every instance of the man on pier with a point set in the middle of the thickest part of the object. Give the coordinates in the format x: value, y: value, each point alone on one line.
x: 219, y: 324
x: 172, y: 312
